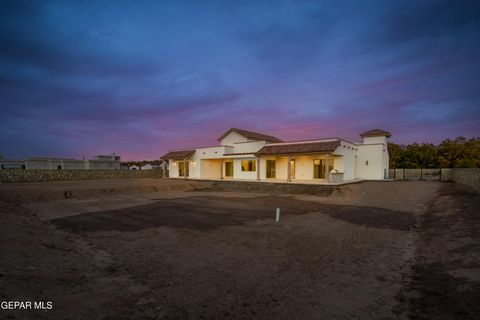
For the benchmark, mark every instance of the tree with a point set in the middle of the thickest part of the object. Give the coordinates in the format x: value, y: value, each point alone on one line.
x: 395, y: 153
x: 458, y: 153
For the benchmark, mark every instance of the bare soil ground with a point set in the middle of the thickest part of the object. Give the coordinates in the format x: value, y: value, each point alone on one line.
x: 170, y: 249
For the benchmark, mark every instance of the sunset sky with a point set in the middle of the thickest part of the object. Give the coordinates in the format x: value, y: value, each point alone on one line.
x: 78, y: 78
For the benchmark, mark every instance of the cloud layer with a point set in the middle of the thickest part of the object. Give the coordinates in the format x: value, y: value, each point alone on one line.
x: 140, y: 78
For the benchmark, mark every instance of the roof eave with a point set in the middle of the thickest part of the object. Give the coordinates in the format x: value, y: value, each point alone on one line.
x: 295, y: 153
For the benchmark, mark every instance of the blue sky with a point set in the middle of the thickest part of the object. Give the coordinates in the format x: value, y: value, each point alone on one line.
x: 142, y: 77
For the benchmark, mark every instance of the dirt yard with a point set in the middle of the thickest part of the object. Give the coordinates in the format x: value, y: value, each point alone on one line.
x: 172, y: 249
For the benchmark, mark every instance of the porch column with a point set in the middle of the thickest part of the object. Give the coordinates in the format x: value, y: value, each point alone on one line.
x: 258, y: 169
x: 163, y: 169
x: 221, y: 168
x: 185, y: 168
x: 327, y: 165
x: 289, y: 169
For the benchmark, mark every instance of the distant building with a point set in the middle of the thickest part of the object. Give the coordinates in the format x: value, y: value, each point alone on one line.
x: 112, y: 156
x: 134, y: 167
x: 100, y: 162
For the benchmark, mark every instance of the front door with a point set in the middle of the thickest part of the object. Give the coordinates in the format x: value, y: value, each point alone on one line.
x: 319, y: 169
x: 229, y: 169
x: 292, y: 169
x: 271, y: 168
x: 183, y: 169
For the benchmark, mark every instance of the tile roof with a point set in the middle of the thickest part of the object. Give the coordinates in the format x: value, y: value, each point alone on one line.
x: 251, y: 135
x: 178, y: 155
x: 375, y: 133
x: 301, y: 147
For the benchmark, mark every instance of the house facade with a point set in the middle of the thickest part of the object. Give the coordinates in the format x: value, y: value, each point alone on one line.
x: 248, y: 155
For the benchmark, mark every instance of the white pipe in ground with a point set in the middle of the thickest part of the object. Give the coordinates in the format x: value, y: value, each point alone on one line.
x: 277, y: 218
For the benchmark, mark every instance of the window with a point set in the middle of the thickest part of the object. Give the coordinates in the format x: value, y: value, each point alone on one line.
x: 319, y: 168
x: 181, y: 169
x: 248, y: 165
x: 229, y: 169
x: 271, y: 166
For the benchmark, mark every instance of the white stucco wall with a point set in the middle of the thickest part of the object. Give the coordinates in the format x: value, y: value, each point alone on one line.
x: 347, y: 162
x: 239, y: 174
x: 212, y: 152
x: 304, y: 165
x: 374, y: 150
x: 251, y: 146
x: 210, y: 169
x: 193, y: 165
x: 232, y: 138
x: 373, y: 153
x: 375, y: 140
x: 386, y: 161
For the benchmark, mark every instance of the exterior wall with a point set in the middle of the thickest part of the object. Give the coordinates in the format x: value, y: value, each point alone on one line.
x: 375, y: 140
x: 172, y: 169
x: 232, y: 138
x: 303, y: 166
x: 53, y: 164
x: 11, y: 164
x: 239, y: 174
x: 99, y: 165
x: 64, y: 164
x: 37, y: 164
x: 212, y: 152
x: 33, y: 175
x: 251, y: 146
x: 374, y: 150
x: 281, y: 168
x: 210, y: 169
x: 194, y: 167
x: 347, y: 162
x: 466, y: 176
x: 75, y: 165
x: 386, y: 162
x: 372, y: 153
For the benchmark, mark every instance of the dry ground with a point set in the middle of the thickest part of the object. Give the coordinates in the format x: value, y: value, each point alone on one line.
x: 171, y: 249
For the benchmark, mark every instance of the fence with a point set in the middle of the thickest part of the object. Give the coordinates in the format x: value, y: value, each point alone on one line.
x: 467, y: 176
x: 416, y: 174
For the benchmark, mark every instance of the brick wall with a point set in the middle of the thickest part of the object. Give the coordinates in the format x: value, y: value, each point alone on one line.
x: 467, y: 176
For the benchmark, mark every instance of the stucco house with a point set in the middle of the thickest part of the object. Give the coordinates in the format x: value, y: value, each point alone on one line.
x: 248, y: 155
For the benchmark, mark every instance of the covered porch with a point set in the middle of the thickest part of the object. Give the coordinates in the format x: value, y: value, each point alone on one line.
x: 306, y: 160
x: 301, y: 168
